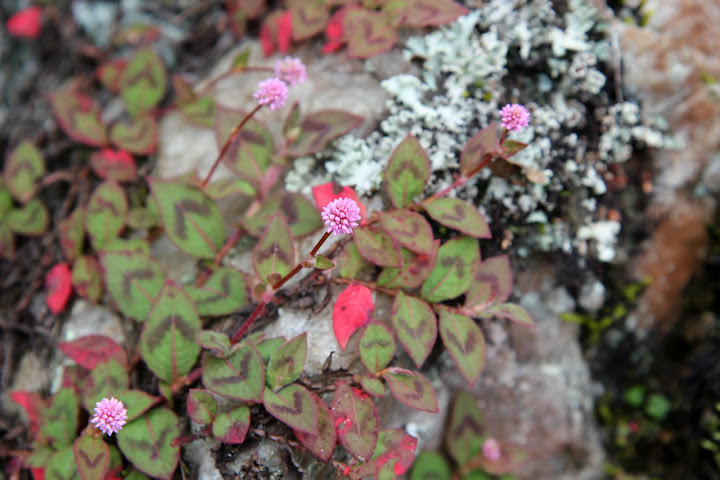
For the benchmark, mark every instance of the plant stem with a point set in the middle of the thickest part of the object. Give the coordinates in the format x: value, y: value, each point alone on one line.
x: 230, y: 73
x: 228, y: 245
x: 231, y: 138
x: 261, y: 306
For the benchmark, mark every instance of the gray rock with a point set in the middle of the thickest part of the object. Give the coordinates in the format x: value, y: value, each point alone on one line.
x: 592, y: 295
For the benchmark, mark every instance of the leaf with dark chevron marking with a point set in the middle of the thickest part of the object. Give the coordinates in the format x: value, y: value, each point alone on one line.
x: 287, y: 362
x: 275, y: 252
x: 465, y: 343
x: 240, y: 376
x: 148, y: 443
x: 92, y: 457
x: 376, y: 346
x: 293, y: 405
x: 412, y: 389
x: 167, y: 341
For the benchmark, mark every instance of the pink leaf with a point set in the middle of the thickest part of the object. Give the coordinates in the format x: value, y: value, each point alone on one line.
x: 58, y: 286
x: 284, y: 31
x: 335, y: 32
x: 90, y: 350
x: 266, y: 39
x: 351, y: 311
x: 116, y: 164
x: 33, y: 405
x: 327, y: 192
x: 26, y: 23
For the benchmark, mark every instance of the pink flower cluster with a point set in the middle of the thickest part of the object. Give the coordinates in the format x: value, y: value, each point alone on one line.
x: 341, y: 215
x: 491, y: 449
x: 514, y: 117
x: 274, y: 91
x: 110, y: 415
x: 290, y: 70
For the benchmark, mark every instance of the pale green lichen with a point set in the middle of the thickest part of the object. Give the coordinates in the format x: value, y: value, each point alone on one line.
x: 518, y: 51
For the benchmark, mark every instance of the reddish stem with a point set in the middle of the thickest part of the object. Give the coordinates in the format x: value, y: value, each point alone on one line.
x: 233, y: 135
x: 228, y: 245
x: 259, y: 310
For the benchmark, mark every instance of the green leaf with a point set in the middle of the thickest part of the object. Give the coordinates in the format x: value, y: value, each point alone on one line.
x: 218, y: 343
x: 224, y: 292
x: 142, y: 218
x: 412, y: 389
x: 414, y: 271
x: 136, y: 402
x: 510, y: 148
x: 147, y: 443
x: 308, y: 19
x: 60, y: 420
x: 424, y: 13
x: 109, y: 73
x: 133, y: 281
x: 201, y: 406
x: 287, y: 362
x: 232, y: 427
x: 87, y: 278
x: 459, y: 215
x: 274, y: 254
x: 465, y: 343
x: 143, y: 82
x: 191, y: 219
x: 356, y: 420
x: 634, y: 396
x: 104, y: 381
x: 369, y: 32
x: 7, y: 242
x: 167, y: 342
x: 430, y: 466
x: 377, y: 246
x: 484, y: 143
x: 80, y: 117
x: 118, y: 165
x: 376, y: 346
x: 323, y: 263
x: 510, y: 311
x: 240, y: 376
x: 393, y: 455
x: 134, y: 245
x: 407, y: 172
x: 230, y: 186
x: 62, y: 465
x: 200, y: 111
x: 250, y: 152
x: 318, y: 129
x: 23, y: 167
x: 465, y: 432
x: 454, y: 270
x: 301, y: 215
x: 497, y: 272
x: 372, y: 385
x: 240, y: 61
x: 267, y: 347
x: 658, y: 407
x: 6, y: 201
x: 415, y: 326
x: 105, y: 214
x: 293, y: 405
x: 31, y: 219
x: 139, y: 135
x: 410, y: 230
x: 72, y: 231
x: 321, y: 445
x: 92, y: 457
x: 351, y: 262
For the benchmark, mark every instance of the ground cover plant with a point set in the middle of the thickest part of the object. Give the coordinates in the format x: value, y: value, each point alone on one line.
x: 421, y: 250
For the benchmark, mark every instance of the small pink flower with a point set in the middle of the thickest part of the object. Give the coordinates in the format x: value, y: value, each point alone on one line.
x: 514, y: 117
x: 491, y: 449
x: 290, y: 70
x: 272, y: 92
x: 341, y: 215
x: 110, y: 415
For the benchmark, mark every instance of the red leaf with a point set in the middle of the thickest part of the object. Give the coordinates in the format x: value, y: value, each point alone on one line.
x: 33, y: 405
x: 38, y: 473
x: 334, y: 31
x: 90, y: 350
x: 284, y: 31
x: 58, y: 286
x: 351, y: 311
x: 26, y: 23
x: 266, y: 39
x: 115, y: 164
x: 327, y: 192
